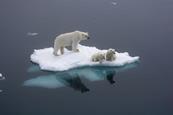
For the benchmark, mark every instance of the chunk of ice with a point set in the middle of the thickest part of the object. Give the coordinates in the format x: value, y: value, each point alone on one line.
x: 1, y: 77
x: 114, y: 3
x: 32, y: 34
x: 44, y: 81
x: 47, y: 61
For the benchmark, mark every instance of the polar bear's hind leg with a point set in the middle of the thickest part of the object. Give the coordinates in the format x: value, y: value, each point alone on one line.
x: 62, y: 50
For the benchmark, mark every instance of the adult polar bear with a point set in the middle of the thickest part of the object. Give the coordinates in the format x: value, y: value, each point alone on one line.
x: 69, y: 39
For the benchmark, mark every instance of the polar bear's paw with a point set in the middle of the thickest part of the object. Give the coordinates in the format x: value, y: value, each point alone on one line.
x: 55, y: 53
x: 77, y: 50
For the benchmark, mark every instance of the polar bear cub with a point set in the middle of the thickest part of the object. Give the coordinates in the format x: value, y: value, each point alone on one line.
x: 98, y: 57
x: 71, y: 39
x: 110, y: 55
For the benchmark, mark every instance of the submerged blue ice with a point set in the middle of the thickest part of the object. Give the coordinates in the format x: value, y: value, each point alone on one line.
x: 72, y: 78
x: 47, y: 81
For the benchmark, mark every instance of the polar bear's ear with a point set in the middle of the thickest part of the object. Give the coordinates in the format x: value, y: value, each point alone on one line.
x: 111, y: 49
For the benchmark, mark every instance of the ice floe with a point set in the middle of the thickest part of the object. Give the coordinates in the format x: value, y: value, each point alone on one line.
x: 47, y: 61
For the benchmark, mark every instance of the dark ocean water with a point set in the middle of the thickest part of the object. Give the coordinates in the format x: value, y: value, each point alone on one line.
x: 142, y: 27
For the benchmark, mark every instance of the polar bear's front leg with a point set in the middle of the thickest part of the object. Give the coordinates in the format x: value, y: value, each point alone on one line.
x: 75, y: 47
x: 55, y: 50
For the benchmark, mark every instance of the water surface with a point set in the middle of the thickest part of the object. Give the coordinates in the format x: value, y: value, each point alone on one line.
x: 141, y: 27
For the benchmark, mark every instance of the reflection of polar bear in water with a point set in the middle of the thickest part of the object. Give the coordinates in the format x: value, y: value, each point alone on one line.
x: 69, y: 39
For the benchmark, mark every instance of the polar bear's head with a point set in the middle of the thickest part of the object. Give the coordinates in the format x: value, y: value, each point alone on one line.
x: 111, y: 51
x: 83, y: 35
x: 110, y: 55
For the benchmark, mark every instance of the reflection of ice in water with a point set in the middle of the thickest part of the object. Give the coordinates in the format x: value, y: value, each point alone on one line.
x: 32, y: 34
x: 49, y: 81
x: 90, y: 74
x: 57, y: 81
x: 72, y: 78
x: 34, y: 68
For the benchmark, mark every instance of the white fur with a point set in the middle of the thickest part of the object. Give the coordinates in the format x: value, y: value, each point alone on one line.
x: 109, y: 55
x: 69, y: 39
x: 98, y: 57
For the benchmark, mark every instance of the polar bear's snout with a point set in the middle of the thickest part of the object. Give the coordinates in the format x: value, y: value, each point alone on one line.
x: 86, y: 35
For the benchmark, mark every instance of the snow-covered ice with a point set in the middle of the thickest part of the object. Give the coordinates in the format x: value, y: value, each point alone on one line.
x: 47, y: 61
